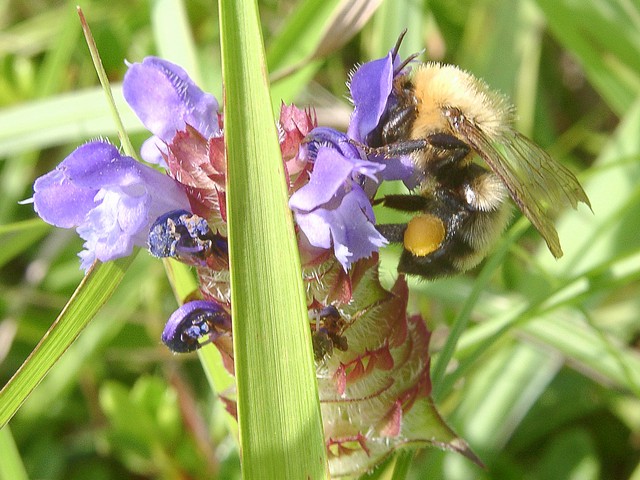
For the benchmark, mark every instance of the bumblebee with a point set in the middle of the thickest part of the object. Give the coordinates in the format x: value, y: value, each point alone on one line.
x: 445, y: 120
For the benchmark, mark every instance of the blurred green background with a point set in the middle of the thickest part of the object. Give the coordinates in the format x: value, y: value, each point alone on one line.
x: 545, y: 378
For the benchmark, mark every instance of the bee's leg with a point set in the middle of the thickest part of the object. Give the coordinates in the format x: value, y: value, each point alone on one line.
x: 405, y: 203
x: 393, y: 232
x: 433, y: 266
x: 444, y: 141
x: 446, y: 150
x: 455, y: 147
x: 397, y: 149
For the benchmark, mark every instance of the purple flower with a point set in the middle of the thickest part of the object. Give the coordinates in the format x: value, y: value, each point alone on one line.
x: 166, y: 100
x: 372, y: 92
x: 192, y: 321
x: 111, y: 199
x: 332, y: 209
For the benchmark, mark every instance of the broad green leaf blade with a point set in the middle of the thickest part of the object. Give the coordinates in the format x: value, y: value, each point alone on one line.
x: 278, y: 409
x: 94, y: 290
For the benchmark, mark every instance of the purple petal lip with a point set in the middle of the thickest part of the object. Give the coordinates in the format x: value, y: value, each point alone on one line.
x: 349, y: 227
x: 330, y: 173
x: 111, y: 199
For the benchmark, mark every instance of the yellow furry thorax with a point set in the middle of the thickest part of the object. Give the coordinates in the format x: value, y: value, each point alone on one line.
x: 439, y: 87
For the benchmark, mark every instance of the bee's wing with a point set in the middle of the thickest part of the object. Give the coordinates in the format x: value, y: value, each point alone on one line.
x: 536, y: 182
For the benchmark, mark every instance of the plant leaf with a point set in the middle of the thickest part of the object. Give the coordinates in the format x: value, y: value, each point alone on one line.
x: 278, y: 410
x: 94, y: 290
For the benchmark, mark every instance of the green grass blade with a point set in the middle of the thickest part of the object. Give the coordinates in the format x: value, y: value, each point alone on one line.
x: 463, y: 319
x: 301, y: 33
x: 94, y: 290
x: 173, y: 37
x: 589, y: 348
x: 602, y: 35
x: 278, y: 409
x: 11, y: 467
x: 106, y: 87
x: 62, y: 119
x: 313, y: 30
x: 592, y: 240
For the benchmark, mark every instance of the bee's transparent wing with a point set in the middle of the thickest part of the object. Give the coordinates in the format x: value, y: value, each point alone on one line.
x: 538, y: 184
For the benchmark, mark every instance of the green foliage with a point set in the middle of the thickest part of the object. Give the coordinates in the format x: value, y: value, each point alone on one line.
x: 536, y: 361
x: 278, y: 408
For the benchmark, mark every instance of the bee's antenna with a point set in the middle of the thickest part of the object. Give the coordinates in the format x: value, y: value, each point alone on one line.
x: 396, y: 49
x: 406, y: 62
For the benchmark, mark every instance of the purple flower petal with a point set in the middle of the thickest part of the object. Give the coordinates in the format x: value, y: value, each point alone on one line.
x: 152, y: 151
x: 372, y: 93
x: 333, y: 209
x: 166, y: 99
x: 110, y: 198
x: 330, y: 172
x: 58, y: 202
x: 370, y: 88
x: 315, y: 227
x: 349, y: 227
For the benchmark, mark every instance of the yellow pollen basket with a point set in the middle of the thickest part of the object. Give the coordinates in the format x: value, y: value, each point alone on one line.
x: 424, y: 234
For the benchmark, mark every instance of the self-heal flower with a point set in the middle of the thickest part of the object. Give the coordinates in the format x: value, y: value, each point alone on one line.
x: 111, y: 199
x: 166, y: 100
x: 332, y: 209
x: 372, y: 93
x: 186, y: 237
